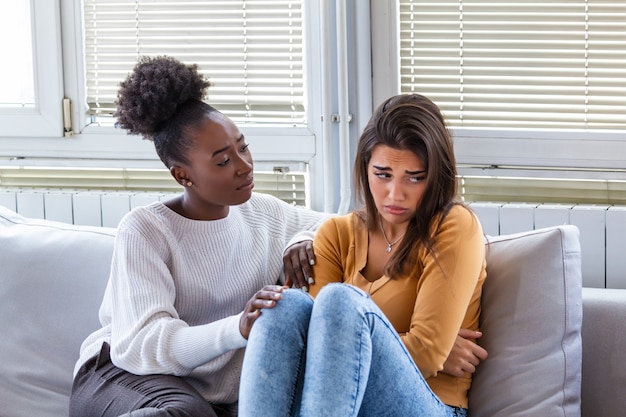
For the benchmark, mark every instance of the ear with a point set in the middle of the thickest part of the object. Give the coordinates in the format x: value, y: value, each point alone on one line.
x: 180, y: 174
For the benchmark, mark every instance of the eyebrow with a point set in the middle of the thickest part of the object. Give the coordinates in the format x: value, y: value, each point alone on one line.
x: 406, y: 172
x: 225, y: 148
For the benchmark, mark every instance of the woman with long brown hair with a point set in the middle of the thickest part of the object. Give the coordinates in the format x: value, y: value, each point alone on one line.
x: 394, y: 282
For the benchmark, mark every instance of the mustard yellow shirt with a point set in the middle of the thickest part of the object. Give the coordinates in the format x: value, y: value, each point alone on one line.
x: 430, y: 304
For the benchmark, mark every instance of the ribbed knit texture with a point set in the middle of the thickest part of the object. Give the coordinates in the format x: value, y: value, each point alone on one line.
x: 178, y: 286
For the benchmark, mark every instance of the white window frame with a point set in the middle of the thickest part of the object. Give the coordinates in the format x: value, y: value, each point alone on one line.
x: 105, y: 146
x: 268, y: 143
x: 45, y: 118
x: 521, y: 152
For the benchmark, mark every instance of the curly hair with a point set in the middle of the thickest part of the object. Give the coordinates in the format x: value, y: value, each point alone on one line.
x: 162, y: 100
x: 410, y: 122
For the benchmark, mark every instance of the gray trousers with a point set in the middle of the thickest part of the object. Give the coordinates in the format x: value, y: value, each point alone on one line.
x: 101, y: 389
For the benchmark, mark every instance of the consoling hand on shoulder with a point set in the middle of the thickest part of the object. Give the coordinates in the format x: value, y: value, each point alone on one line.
x: 298, y: 265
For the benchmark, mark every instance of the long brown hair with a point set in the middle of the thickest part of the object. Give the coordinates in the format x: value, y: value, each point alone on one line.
x: 410, y: 122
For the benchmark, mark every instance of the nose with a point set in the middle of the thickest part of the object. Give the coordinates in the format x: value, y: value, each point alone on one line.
x: 244, y: 166
x: 395, y: 190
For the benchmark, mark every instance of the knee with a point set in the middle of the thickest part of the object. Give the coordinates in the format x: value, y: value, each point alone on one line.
x: 294, y: 307
x: 340, y: 295
x: 295, y: 303
x: 340, y: 301
x: 174, y: 396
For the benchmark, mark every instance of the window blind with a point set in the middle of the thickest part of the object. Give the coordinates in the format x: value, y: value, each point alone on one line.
x: 250, y: 50
x: 541, y: 190
x: 510, y: 64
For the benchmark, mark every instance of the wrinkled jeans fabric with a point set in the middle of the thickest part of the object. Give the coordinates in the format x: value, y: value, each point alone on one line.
x: 337, y: 356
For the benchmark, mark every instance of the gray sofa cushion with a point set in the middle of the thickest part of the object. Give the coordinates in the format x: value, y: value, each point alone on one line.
x: 52, y: 277
x: 531, y: 321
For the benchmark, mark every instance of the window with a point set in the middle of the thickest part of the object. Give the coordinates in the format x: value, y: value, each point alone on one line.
x: 255, y: 59
x: 31, y: 89
x: 17, y: 86
x: 502, y: 64
x: 251, y: 51
x: 268, y: 98
x: 531, y: 90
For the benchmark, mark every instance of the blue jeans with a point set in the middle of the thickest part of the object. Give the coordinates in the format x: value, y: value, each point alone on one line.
x: 339, y: 356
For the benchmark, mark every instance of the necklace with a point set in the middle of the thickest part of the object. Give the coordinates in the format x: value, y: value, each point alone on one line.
x: 389, y: 244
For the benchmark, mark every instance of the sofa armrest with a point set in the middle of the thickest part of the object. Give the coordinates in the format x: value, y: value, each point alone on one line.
x: 52, y: 278
x: 604, y: 352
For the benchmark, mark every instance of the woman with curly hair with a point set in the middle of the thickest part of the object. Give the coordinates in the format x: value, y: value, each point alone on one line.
x: 191, y: 275
x: 394, y: 282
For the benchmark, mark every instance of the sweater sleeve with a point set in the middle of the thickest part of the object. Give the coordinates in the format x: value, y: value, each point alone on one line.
x: 330, y: 247
x: 445, y: 290
x: 147, y: 334
x: 298, y: 223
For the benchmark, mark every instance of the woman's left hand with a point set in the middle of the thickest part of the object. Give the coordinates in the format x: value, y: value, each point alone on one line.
x: 297, y: 261
x: 465, y: 355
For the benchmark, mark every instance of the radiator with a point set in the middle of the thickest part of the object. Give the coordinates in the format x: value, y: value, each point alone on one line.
x: 90, y: 208
x: 602, y: 228
x: 602, y: 233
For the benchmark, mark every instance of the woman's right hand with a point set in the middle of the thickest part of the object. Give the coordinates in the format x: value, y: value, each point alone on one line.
x: 264, y: 298
x: 298, y: 260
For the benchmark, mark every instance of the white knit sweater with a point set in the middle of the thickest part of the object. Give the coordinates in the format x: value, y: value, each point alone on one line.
x: 178, y: 287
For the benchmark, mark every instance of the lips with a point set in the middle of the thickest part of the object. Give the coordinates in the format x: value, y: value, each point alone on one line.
x: 395, y: 210
x: 248, y: 185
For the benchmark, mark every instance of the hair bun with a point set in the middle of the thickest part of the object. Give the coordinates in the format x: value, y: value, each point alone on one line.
x: 153, y: 92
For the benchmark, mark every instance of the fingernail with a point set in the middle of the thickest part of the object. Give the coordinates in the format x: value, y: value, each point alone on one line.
x: 311, y: 261
x: 304, y: 288
x: 269, y: 302
x: 311, y: 280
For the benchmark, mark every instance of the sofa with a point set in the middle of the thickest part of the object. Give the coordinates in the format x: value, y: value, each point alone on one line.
x: 555, y: 348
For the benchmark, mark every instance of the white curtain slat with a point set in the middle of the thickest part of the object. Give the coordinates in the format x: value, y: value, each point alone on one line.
x: 488, y: 64
x: 252, y: 52
x: 544, y: 190
x: 289, y: 187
